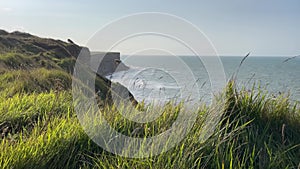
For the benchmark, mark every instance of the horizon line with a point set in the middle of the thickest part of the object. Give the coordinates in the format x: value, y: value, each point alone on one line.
x: 189, y: 55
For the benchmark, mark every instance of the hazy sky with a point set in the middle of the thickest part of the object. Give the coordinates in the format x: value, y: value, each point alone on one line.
x: 235, y: 27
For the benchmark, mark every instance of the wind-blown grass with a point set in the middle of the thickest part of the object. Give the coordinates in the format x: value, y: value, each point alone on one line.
x: 39, y: 127
x: 40, y: 130
x: 36, y: 80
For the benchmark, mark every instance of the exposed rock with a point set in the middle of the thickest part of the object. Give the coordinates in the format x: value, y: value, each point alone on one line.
x: 70, y: 41
x: 107, y: 63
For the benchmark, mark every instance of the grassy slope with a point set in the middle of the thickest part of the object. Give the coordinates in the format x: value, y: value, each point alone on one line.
x: 29, y: 63
x: 256, y: 131
x: 39, y: 128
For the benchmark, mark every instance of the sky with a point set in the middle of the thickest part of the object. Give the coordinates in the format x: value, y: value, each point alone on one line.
x: 235, y: 27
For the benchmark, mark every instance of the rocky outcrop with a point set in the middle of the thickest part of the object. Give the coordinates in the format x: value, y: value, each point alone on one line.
x: 107, y: 63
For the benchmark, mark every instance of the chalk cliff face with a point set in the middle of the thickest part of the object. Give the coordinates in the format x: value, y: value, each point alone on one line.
x: 107, y: 63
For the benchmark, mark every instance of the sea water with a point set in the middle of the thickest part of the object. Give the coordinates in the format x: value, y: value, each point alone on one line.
x: 163, y: 78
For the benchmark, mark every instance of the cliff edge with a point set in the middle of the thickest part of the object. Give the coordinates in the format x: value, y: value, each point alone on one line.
x: 43, y: 64
x: 106, y: 63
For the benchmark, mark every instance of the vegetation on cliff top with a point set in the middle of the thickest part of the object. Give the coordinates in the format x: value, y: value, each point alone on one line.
x: 32, y: 64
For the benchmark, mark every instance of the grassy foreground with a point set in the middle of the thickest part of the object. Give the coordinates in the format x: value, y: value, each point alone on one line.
x: 41, y: 130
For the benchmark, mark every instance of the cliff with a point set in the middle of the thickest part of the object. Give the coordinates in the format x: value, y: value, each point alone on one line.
x: 43, y: 64
x: 107, y: 63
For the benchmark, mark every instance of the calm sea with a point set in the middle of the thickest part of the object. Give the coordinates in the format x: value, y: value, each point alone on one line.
x: 162, y: 78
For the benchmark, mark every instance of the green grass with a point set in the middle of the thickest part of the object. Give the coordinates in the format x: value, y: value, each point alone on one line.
x: 41, y: 130
x: 16, y: 61
x: 35, y: 80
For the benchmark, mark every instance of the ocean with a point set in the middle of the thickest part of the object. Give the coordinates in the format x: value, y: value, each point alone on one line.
x: 163, y: 78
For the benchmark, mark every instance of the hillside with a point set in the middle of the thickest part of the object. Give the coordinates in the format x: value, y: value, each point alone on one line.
x: 32, y: 64
x: 28, y: 44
